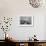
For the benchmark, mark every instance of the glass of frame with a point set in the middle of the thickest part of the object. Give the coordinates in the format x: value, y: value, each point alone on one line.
x: 26, y: 20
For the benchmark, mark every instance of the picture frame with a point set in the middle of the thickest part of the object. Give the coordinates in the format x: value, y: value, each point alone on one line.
x: 26, y: 21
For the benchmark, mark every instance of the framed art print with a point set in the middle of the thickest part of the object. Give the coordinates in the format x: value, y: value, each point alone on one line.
x: 26, y: 20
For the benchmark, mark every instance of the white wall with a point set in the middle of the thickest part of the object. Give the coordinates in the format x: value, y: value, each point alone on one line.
x: 23, y: 33
x: 15, y: 8
x: 45, y: 29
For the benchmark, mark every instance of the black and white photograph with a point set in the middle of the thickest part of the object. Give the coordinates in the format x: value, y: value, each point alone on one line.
x: 26, y: 20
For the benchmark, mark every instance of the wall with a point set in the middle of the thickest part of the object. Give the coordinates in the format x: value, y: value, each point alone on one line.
x: 16, y: 8
x: 23, y: 33
x: 45, y: 29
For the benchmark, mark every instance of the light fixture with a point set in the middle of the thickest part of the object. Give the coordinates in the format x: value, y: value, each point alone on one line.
x: 35, y: 3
